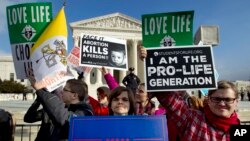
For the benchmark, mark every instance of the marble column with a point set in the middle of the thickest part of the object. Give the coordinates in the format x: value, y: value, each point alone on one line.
x: 87, y: 78
x: 122, y: 74
x: 134, y: 56
x: 98, y: 76
x: 111, y: 71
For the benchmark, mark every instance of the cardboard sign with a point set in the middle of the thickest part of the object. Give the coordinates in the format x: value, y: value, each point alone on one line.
x: 73, y: 62
x: 167, y: 29
x: 98, y: 51
x: 118, y: 128
x: 205, y: 91
x: 26, y: 23
x: 179, y: 68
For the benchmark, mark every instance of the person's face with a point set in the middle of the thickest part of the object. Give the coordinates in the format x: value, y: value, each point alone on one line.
x: 223, y: 107
x: 120, y: 105
x: 117, y: 57
x: 102, y: 98
x: 68, y: 95
x: 141, y: 95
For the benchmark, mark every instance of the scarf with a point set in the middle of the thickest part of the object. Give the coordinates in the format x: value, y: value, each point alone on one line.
x: 221, y: 123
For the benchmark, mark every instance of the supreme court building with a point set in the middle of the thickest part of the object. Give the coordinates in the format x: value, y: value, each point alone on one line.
x: 119, y: 26
x: 114, y: 25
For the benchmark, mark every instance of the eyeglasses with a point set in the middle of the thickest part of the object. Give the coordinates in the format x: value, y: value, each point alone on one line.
x: 225, y: 100
x: 68, y: 90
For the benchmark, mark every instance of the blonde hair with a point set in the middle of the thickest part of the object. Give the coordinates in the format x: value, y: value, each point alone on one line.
x: 224, y: 84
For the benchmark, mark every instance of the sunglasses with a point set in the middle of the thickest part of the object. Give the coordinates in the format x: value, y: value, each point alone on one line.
x: 225, y: 100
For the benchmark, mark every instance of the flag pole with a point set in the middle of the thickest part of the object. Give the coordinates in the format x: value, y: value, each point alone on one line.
x: 64, y: 3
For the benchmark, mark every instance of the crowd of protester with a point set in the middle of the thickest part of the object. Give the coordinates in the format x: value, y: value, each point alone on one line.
x: 189, y: 117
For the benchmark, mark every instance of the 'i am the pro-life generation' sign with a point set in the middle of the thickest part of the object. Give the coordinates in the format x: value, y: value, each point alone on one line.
x: 26, y: 22
x: 167, y: 29
x: 179, y: 68
x: 98, y: 51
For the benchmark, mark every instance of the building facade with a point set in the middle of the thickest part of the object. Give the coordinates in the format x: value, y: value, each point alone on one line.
x: 7, y: 70
x: 242, y: 85
x: 114, y: 25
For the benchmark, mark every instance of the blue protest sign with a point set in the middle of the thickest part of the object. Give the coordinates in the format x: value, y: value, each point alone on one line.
x: 118, y: 128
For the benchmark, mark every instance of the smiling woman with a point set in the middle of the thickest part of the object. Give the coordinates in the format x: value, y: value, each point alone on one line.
x: 223, y: 101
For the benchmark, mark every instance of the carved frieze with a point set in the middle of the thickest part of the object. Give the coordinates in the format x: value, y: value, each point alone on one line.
x: 118, y: 21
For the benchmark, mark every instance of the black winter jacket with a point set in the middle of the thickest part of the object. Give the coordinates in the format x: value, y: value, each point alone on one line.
x: 55, y: 116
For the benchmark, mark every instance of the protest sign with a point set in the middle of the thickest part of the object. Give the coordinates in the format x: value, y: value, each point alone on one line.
x: 179, y: 68
x: 49, y: 54
x: 118, y: 128
x: 167, y: 29
x: 26, y: 22
x: 205, y: 91
x: 73, y: 62
x: 98, y: 51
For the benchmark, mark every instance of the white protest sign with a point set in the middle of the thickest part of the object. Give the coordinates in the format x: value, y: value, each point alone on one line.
x: 49, y: 54
x: 26, y: 22
x: 73, y: 62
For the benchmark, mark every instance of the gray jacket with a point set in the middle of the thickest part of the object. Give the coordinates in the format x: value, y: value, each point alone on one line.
x: 55, y: 115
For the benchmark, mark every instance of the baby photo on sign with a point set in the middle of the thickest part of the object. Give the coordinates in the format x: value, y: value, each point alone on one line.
x: 100, y: 51
x: 118, y: 56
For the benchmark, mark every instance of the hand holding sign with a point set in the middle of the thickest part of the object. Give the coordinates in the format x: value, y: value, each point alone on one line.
x: 33, y: 81
x: 103, y: 70
x: 142, y: 52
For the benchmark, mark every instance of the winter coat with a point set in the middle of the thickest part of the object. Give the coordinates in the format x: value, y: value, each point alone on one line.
x: 131, y: 81
x: 55, y: 116
x: 192, y: 125
x: 110, y: 81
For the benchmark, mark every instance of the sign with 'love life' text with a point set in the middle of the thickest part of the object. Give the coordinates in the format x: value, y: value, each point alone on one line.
x: 118, y: 128
x: 167, y: 29
x: 179, y: 68
x: 26, y: 22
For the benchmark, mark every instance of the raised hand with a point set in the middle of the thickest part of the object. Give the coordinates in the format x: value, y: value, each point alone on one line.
x: 36, y: 85
x: 142, y: 52
x: 103, y: 70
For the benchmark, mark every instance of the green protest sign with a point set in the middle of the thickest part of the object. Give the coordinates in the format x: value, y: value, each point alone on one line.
x: 26, y: 22
x: 167, y: 29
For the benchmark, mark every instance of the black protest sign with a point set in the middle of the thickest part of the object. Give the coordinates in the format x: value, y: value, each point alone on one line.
x: 179, y: 68
x: 98, y: 51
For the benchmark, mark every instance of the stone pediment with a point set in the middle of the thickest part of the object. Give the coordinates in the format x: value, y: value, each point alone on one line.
x: 114, y: 21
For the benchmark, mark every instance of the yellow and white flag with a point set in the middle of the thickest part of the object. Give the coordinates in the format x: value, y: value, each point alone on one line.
x: 49, y: 54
